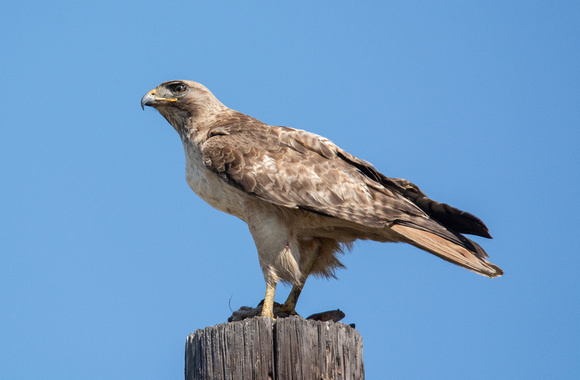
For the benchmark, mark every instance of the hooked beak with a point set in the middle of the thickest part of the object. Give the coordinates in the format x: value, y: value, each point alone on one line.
x: 151, y: 100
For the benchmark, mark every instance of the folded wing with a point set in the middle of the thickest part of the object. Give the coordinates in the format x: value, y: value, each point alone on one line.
x: 298, y: 169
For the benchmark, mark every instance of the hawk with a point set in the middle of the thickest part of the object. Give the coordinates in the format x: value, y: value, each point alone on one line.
x: 304, y: 199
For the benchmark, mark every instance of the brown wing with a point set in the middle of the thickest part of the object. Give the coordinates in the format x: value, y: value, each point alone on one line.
x: 298, y: 169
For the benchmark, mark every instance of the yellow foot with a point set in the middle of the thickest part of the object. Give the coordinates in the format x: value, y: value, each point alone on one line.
x: 267, y: 314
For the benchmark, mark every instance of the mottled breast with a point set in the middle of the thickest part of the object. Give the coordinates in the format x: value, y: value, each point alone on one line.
x: 208, y: 186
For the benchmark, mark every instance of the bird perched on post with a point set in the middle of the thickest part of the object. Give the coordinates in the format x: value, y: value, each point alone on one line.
x: 304, y: 199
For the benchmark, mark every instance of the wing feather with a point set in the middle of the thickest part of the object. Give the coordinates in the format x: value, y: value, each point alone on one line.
x: 297, y: 169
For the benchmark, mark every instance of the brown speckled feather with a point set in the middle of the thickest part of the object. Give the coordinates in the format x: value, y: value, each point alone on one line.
x: 298, y: 169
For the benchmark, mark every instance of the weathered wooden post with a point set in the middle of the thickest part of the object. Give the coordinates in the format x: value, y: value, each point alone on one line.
x: 284, y: 349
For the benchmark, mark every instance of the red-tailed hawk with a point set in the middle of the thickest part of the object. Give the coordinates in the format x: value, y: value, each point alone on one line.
x: 304, y: 199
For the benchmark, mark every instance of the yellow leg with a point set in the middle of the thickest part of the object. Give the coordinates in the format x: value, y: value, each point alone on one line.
x: 268, y: 307
x: 290, y: 304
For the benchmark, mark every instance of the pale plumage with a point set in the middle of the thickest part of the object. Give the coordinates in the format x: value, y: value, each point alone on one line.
x: 302, y: 197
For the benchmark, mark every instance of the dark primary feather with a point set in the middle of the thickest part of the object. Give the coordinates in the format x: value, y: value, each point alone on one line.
x: 451, y: 217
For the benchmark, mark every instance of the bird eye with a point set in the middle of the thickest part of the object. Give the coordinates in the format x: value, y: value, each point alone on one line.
x: 178, y: 88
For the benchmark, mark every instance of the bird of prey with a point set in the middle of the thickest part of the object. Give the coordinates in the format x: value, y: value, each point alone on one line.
x: 304, y: 199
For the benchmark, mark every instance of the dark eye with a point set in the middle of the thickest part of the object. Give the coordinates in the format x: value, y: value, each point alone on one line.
x: 178, y: 88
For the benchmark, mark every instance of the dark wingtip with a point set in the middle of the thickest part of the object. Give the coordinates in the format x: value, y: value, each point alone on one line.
x: 486, y: 235
x: 453, y: 218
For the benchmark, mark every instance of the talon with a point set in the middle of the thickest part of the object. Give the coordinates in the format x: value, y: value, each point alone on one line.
x: 287, y: 309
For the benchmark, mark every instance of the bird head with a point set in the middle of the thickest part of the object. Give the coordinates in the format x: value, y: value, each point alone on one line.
x: 180, y: 101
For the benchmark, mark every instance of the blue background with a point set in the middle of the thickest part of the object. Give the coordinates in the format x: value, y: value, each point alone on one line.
x: 108, y: 260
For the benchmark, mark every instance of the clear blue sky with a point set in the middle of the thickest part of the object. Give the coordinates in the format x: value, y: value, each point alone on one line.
x: 108, y: 260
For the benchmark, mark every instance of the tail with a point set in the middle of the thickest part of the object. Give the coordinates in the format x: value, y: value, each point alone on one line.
x: 453, y: 247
